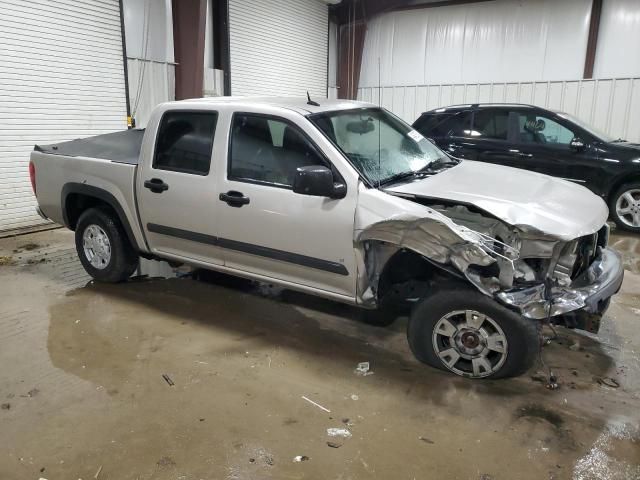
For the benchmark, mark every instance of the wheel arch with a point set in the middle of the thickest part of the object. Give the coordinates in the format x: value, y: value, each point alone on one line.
x: 78, y: 197
x: 407, y: 273
x: 619, y: 182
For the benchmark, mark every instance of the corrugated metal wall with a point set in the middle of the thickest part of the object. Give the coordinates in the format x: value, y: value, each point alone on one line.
x: 611, y: 105
x: 278, y: 47
x: 61, y: 77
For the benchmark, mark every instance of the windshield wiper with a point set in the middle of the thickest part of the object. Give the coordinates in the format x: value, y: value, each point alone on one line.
x: 397, y: 177
x: 436, y: 165
x: 439, y: 163
x: 618, y: 140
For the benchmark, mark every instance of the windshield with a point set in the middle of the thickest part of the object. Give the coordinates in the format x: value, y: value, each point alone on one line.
x: 380, y: 146
x: 592, y: 130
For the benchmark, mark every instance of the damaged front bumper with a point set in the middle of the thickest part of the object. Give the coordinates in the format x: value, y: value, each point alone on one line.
x: 589, y: 293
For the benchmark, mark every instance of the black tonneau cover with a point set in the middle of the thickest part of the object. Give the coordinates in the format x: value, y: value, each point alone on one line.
x: 122, y: 147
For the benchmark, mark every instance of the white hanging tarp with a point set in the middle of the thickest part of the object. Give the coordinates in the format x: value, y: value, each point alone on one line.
x: 618, y: 40
x: 497, y: 41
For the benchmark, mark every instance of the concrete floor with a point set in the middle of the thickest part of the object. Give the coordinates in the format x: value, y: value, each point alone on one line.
x: 84, y: 397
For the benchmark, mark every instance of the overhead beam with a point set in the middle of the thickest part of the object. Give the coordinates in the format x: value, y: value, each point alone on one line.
x: 592, y: 41
x: 350, y: 45
x: 189, y: 20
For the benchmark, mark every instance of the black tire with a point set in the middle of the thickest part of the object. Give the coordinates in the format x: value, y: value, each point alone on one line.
x: 521, y: 333
x: 613, y: 201
x: 123, y: 259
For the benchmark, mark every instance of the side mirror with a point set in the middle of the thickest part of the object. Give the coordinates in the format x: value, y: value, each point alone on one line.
x: 317, y: 181
x: 576, y: 144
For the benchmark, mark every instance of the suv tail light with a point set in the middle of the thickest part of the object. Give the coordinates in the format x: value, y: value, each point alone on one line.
x: 32, y: 176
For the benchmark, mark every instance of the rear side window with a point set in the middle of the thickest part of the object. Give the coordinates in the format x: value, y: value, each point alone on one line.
x: 268, y: 150
x: 185, y: 142
x: 444, y: 124
x: 491, y: 124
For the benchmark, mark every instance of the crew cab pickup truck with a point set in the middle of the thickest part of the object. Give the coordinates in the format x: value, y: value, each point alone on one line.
x: 342, y: 200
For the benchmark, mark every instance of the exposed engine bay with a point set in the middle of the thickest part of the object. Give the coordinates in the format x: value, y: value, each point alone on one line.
x: 527, y: 270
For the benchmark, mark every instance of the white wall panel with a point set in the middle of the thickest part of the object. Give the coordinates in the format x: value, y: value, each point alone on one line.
x: 61, y: 77
x: 497, y: 41
x: 618, y: 40
x: 611, y: 105
x: 278, y: 47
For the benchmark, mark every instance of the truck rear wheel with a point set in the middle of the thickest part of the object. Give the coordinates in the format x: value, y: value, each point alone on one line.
x: 467, y: 333
x: 103, y: 247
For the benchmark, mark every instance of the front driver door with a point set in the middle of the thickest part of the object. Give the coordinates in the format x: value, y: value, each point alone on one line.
x: 267, y: 229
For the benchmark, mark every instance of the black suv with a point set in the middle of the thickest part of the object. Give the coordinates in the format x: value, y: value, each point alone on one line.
x: 544, y: 141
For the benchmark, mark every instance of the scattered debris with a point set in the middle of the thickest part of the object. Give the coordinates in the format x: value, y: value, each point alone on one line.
x: 485, y: 476
x: 363, y: 369
x: 338, y: 432
x: 31, y: 393
x: 166, y: 462
x: 316, y: 404
x: 6, y: 406
x: 34, y: 261
x: 98, y: 472
x: 552, y: 384
x: 608, y: 382
x: 575, y: 346
x: 354, y: 397
x: 168, y: 379
x: 252, y: 460
x: 29, y: 246
x: 6, y: 260
x: 300, y: 458
x: 345, y: 421
x: 426, y: 440
x: 334, y: 444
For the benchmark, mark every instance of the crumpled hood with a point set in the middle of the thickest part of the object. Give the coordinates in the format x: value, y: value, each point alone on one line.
x: 530, y: 201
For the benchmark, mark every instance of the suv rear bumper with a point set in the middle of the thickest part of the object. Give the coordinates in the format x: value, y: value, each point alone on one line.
x: 588, y: 293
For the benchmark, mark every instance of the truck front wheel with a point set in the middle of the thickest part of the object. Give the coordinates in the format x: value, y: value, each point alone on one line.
x: 103, y: 247
x: 467, y: 333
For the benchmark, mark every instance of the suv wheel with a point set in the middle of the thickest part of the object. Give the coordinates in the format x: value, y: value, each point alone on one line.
x: 103, y: 247
x: 467, y: 333
x: 625, y: 207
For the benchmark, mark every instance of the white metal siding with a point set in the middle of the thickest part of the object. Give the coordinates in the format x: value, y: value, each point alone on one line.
x: 61, y: 77
x: 278, y: 47
x: 611, y: 105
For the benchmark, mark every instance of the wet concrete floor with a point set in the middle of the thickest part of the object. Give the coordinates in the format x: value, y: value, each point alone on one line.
x: 83, y: 393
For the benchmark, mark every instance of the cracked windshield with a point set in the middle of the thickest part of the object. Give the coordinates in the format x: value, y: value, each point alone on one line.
x: 381, y: 147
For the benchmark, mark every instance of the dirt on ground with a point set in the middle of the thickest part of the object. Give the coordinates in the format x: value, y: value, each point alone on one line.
x: 220, y: 378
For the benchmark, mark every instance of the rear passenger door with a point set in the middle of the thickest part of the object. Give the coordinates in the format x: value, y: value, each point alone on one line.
x: 268, y: 230
x: 492, y: 133
x: 176, y: 195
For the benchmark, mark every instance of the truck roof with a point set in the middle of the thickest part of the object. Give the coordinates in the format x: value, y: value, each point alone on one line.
x: 298, y: 104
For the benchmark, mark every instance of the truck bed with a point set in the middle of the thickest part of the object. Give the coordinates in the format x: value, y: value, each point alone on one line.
x: 121, y: 147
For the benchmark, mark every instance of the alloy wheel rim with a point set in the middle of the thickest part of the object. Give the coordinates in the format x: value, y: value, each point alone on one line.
x: 97, y: 247
x: 628, y: 208
x: 470, y: 343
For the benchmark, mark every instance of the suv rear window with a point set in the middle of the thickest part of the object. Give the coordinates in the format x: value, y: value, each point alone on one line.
x: 491, y: 124
x: 443, y: 124
x: 185, y: 142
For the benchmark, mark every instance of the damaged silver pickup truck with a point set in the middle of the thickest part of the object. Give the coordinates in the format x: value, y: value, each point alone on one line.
x: 345, y: 201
